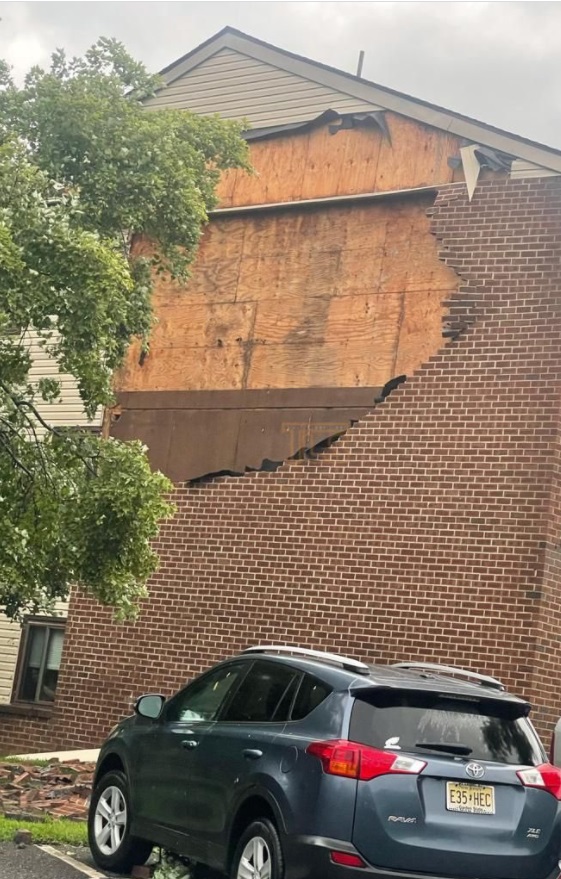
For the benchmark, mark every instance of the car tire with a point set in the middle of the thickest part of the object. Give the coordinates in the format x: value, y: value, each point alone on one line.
x: 109, y: 827
x: 258, y: 846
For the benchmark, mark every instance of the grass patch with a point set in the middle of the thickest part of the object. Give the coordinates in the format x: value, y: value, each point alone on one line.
x: 13, y: 761
x: 47, y: 832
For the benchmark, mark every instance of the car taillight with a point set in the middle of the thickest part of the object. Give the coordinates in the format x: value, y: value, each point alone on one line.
x: 352, y: 760
x: 545, y: 777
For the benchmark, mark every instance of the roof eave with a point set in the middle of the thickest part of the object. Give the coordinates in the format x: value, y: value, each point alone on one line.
x: 413, y: 108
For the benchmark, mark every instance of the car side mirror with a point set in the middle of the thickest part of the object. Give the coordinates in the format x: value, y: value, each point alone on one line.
x: 150, y: 706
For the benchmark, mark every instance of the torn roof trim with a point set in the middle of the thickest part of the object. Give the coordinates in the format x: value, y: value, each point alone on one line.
x: 377, y: 95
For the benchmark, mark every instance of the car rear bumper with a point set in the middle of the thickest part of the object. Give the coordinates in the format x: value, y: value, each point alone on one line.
x: 309, y: 857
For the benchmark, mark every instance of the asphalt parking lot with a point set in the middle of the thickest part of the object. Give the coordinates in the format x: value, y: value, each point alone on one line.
x: 33, y: 863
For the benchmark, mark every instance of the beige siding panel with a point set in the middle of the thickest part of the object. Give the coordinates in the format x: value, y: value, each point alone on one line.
x: 236, y: 87
x: 10, y: 636
x: 520, y: 168
x: 9, y: 646
x: 68, y: 409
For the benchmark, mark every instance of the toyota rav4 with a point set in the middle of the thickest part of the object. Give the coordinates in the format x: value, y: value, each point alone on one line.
x: 286, y: 763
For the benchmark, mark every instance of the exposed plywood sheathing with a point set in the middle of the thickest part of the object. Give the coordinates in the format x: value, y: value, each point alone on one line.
x: 339, y: 297
x: 318, y: 164
x: 194, y: 434
x: 238, y: 86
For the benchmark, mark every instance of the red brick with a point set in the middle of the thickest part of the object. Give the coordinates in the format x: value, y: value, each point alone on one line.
x: 431, y: 530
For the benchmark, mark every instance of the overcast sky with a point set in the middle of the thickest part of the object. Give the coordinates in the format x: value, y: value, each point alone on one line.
x: 499, y: 62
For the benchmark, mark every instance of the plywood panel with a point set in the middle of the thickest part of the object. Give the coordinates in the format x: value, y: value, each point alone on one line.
x: 170, y: 368
x: 318, y: 164
x: 187, y: 442
x: 203, y: 325
x: 326, y: 365
x: 325, y: 297
x: 347, y: 319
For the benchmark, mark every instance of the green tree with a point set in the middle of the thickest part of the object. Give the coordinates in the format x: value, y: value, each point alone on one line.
x: 84, y: 171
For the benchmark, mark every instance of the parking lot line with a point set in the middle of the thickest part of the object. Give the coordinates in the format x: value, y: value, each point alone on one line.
x: 81, y: 868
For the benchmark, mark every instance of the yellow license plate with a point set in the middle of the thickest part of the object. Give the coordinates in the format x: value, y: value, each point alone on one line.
x: 474, y: 798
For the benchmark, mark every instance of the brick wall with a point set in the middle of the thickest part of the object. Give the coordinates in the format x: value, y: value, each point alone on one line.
x: 429, y: 531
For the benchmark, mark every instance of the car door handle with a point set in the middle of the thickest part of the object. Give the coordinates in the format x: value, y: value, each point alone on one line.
x: 189, y: 744
x: 252, y: 753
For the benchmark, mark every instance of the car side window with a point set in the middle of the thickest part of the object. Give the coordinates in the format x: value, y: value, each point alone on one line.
x: 311, y: 693
x: 203, y: 699
x: 264, y: 696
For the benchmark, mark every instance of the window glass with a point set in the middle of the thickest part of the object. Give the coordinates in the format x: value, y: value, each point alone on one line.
x: 52, y: 665
x: 312, y: 692
x: 264, y: 694
x: 41, y: 663
x: 282, y: 711
x: 204, y: 697
x: 404, y: 721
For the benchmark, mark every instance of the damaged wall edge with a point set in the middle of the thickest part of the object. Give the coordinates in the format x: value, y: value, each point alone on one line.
x: 196, y: 436
x: 306, y: 452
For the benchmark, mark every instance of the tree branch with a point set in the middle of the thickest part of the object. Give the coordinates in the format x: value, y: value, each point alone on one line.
x: 14, y: 457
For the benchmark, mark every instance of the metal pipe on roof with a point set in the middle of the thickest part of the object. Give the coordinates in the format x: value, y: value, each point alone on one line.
x: 360, y: 62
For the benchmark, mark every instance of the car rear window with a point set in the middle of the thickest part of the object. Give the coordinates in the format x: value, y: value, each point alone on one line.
x: 403, y: 721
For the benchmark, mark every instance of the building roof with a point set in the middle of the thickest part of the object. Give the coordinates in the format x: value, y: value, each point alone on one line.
x: 241, y: 76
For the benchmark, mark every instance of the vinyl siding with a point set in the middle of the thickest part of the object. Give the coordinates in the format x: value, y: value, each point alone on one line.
x: 66, y: 411
x: 237, y: 86
x: 521, y: 168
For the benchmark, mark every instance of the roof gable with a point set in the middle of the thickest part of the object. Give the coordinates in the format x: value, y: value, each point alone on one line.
x: 237, y: 86
x: 268, y: 60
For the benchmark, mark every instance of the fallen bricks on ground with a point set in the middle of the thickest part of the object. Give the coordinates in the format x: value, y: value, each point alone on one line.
x: 39, y: 792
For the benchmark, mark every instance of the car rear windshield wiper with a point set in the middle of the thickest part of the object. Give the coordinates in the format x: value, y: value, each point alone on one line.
x: 446, y: 747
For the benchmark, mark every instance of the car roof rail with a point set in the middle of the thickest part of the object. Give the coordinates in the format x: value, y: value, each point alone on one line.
x: 451, y: 671
x: 345, y: 662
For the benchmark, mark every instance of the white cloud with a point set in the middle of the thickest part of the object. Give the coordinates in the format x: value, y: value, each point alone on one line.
x: 495, y: 61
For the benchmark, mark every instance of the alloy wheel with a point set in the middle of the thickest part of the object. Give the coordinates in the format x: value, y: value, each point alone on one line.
x: 255, y: 862
x: 110, y: 820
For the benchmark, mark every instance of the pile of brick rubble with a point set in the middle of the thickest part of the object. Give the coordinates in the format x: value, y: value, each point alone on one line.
x: 58, y: 790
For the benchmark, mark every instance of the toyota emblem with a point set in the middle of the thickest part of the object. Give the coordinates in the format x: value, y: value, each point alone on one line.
x: 475, y: 770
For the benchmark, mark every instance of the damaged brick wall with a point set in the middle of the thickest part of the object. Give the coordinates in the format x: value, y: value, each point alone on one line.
x: 425, y: 532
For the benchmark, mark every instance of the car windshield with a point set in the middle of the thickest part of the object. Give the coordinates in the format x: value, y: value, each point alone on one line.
x: 412, y: 721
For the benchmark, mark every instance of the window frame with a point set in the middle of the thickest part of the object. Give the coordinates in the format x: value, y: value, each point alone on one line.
x: 164, y: 718
x: 220, y: 718
x: 30, y: 622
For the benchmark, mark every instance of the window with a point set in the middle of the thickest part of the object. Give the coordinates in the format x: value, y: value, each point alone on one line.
x: 312, y: 692
x: 265, y: 695
x: 202, y: 699
x: 40, y: 657
x: 405, y: 721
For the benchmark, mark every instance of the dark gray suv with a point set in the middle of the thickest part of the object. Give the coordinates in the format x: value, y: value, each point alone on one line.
x: 285, y: 763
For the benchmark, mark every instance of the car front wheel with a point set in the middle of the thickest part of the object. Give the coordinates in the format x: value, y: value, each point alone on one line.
x: 109, y: 821
x: 258, y: 853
